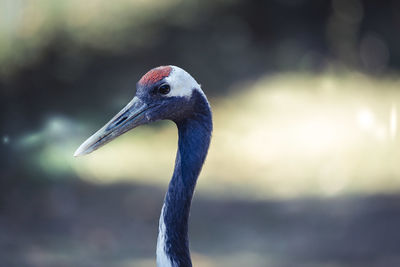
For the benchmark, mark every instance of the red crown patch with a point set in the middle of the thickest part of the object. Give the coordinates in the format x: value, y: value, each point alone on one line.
x: 155, y: 75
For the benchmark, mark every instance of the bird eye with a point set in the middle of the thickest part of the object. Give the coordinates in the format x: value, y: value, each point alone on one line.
x: 164, y: 89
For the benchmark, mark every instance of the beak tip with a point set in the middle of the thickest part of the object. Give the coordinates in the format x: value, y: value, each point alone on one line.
x: 80, y: 152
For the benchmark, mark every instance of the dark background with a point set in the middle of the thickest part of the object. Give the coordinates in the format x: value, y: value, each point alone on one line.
x: 80, y: 62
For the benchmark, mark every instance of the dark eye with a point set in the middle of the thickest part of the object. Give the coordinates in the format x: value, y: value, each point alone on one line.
x: 164, y: 89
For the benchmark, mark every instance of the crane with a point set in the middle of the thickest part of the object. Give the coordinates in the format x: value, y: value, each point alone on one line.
x: 168, y: 93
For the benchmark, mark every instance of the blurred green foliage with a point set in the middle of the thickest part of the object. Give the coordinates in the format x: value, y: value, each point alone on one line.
x: 27, y: 27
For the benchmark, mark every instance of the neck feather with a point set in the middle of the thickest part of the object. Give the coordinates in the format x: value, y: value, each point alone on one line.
x: 194, y: 140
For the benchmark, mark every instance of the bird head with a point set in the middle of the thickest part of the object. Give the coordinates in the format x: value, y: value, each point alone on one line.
x: 163, y: 93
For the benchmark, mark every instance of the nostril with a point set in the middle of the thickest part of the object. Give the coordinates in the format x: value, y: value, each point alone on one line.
x: 118, y: 121
x: 121, y: 120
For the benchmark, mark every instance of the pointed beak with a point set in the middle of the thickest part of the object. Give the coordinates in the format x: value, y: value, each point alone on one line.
x: 128, y: 118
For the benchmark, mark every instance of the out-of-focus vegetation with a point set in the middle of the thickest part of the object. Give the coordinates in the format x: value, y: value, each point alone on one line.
x: 27, y: 27
x: 303, y: 166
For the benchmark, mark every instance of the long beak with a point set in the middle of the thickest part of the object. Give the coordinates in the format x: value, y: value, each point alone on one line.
x: 128, y: 118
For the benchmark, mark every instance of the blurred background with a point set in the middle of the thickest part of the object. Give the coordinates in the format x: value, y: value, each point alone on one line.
x: 303, y: 168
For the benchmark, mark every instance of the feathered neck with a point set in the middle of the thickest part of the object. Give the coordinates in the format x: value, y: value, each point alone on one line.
x: 194, y: 139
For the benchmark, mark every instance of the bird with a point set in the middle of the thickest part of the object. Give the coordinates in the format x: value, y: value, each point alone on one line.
x: 168, y: 93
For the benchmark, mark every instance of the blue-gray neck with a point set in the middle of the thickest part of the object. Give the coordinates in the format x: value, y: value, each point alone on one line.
x: 194, y: 140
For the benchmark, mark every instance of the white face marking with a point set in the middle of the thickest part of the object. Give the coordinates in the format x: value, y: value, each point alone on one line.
x: 181, y: 83
x: 162, y: 258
